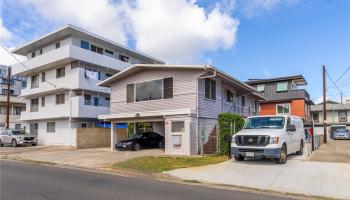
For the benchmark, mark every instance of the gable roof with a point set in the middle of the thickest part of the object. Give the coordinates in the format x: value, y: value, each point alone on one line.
x: 138, y: 67
x: 299, y: 80
x: 69, y: 30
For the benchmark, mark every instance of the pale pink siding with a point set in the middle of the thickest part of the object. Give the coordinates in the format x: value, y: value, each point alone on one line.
x: 184, y: 91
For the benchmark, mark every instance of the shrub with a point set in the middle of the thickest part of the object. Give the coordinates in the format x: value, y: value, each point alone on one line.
x: 228, y: 122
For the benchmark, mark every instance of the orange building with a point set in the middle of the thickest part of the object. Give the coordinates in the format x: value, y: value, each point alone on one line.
x: 284, y: 95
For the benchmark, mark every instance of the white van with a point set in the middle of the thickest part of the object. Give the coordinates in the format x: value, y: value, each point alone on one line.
x: 269, y: 137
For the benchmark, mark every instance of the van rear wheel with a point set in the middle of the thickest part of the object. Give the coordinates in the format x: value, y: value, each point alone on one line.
x: 301, y: 148
x: 239, y: 158
x: 283, y: 155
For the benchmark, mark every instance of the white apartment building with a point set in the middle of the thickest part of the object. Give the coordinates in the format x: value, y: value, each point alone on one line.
x: 16, y: 104
x: 63, y: 69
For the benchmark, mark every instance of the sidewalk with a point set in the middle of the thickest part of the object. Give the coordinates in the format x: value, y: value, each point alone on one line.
x: 88, y: 158
x: 297, y: 176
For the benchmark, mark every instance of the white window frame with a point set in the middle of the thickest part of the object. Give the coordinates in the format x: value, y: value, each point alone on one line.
x: 54, y: 127
x: 261, y: 85
x: 283, y: 104
x: 281, y: 83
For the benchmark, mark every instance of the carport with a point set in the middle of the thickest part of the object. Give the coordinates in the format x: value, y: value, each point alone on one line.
x: 176, y: 142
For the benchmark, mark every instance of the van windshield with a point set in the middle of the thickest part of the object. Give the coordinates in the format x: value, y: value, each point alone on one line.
x: 265, y: 122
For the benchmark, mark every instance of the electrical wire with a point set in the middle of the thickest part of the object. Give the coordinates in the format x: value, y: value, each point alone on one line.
x: 30, y: 69
x: 331, y: 79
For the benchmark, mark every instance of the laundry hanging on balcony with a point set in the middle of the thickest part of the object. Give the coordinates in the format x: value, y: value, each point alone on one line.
x: 91, y: 74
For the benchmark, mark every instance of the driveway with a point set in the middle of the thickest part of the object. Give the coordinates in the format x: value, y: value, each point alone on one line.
x: 296, y: 176
x: 89, y: 158
x: 333, y: 151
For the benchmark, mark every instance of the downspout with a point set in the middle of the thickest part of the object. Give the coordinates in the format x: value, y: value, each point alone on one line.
x: 70, y: 116
x: 197, y: 113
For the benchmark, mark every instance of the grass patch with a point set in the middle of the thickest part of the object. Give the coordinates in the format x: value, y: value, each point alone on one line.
x: 160, y: 164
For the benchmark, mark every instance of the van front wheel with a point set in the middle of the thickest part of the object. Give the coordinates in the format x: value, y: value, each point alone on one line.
x: 283, y: 155
x: 239, y: 158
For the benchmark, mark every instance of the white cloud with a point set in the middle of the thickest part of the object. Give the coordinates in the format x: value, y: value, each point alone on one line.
x: 254, y: 8
x: 267, y: 73
x: 177, y: 31
x: 99, y: 16
x: 5, y: 34
x: 180, y: 31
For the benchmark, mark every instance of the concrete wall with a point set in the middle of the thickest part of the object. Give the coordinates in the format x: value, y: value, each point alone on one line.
x: 92, y: 138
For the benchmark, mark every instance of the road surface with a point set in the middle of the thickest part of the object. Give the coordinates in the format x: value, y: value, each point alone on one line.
x: 19, y: 180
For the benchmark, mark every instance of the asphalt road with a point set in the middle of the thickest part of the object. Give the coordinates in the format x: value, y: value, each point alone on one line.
x: 26, y: 181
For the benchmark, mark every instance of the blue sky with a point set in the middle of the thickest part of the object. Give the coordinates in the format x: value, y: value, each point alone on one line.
x: 248, y: 39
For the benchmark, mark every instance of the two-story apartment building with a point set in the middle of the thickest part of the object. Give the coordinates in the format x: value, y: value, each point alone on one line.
x: 337, y: 115
x: 63, y: 69
x: 16, y: 104
x: 284, y: 95
x: 182, y: 102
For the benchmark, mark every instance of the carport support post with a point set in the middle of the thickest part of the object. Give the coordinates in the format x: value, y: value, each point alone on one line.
x: 113, y: 136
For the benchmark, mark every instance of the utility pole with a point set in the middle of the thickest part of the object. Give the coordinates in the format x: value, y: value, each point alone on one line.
x: 341, y: 97
x: 324, y: 105
x: 8, y: 98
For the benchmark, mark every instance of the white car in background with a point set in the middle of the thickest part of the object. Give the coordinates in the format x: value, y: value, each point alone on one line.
x: 17, y: 137
x: 269, y: 137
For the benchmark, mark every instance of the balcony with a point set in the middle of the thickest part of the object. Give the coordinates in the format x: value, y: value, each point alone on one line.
x: 77, y: 110
x: 66, y: 54
x: 287, y: 95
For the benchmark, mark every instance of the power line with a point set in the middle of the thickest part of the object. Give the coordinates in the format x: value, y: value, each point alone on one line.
x: 331, y: 79
x: 341, y: 76
x: 30, y: 69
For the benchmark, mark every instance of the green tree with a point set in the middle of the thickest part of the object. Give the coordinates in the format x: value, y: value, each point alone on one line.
x: 229, y: 123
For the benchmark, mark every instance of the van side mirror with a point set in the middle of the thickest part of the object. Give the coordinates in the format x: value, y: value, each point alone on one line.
x: 291, y: 128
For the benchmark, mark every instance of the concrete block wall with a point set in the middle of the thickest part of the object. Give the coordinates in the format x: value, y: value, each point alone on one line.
x: 92, y: 138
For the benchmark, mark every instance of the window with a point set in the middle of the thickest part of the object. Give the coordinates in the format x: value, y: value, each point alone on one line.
x: 229, y: 96
x: 43, y: 78
x: 108, y: 75
x: 34, y: 128
x: 83, y: 125
x: 283, y: 109
x: 210, y: 89
x: 107, y: 98
x: 96, y: 100
x: 60, y: 72
x: 24, y: 84
x: 96, y: 49
x: 316, y: 117
x: 178, y: 126
x: 35, y: 81
x: 243, y: 100
x: 282, y: 86
x: 41, y: 51
x: 87, y: 99
x: 260, y: 87
x: 150, y: 90
x: 109, y: 53
x: 34, y: 105
x: 130, y: 95
x: 58, y: 45
x: 342, y: 115
x: 17, y: 110
x: 123, y: 58
x: 60, y: 98
x: 17, y: 126
x: 168, y: 88
x: 84, y: 45
x: 50, y: 127
x: 33, y: 54
x: 42, y: 101
x: 3, y: 110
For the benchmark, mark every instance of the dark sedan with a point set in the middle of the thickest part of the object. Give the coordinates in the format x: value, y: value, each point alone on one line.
x: 141, y: 141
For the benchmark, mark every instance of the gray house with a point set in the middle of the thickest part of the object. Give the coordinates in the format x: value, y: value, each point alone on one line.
x: 181, y: 101
x: 338, y: 115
